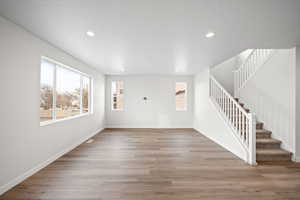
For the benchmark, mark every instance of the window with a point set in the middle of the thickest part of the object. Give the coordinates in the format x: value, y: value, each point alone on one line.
x: 180, y: 96
x: 117, y: 95
x: 67, y: 93
x: 46, y: 90
x: 85, y: 94
x: 63, y: 88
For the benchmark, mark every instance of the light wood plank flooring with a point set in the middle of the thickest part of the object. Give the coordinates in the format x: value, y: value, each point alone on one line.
x: 157, y: 164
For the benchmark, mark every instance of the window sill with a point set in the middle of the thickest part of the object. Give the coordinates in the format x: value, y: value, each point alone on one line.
x: 45, y: 123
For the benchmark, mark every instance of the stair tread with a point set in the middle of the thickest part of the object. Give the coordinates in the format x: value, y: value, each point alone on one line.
x: 263, y: 131
x: 267, y: 141
x: 272, y: 152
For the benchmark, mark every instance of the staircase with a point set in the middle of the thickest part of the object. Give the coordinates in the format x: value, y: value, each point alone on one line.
x: 267, y: 148
x: 256, y: 140
x: 247, y: 69
x: 241, y: 122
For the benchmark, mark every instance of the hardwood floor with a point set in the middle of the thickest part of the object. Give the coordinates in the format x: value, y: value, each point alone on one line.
x: 157, y: 164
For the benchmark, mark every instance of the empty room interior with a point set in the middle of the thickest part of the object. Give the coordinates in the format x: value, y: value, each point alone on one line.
x: 150, y: 100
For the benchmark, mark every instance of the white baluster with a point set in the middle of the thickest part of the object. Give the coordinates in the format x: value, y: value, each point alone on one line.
x: 239, y: 123
x: 235, y: 117
x: 243, y: 124
x: 220, y: 96
x: 227, y: 106
x: 231, y: 112
x: 247, y: 131
x: 223, y: 101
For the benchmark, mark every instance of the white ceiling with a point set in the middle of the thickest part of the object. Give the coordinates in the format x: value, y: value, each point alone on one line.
x: 158, y: 36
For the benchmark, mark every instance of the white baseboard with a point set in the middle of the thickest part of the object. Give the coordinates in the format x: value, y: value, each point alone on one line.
x: 34, y: 170
x: 295, y: 158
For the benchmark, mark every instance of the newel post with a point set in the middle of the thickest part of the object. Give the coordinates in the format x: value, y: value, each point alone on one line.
x: 252, y: 139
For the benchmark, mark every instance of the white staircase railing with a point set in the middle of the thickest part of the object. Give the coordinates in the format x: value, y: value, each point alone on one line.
x: 243, y: 124
x: 248, y: 68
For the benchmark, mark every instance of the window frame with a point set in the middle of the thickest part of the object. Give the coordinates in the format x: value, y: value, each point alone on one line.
x: 185, y: 96
x: 90, y: 97
x: 112, y: 98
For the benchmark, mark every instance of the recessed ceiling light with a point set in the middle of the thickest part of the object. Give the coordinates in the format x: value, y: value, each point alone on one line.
x: 90, y: 33
x: 210, y: 34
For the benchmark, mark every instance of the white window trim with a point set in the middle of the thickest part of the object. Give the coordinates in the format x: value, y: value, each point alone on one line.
x: 90, y: 100
x: 111, y: 96
x: 185, y: 96
x: 48, y: 122
x: 65, y: 66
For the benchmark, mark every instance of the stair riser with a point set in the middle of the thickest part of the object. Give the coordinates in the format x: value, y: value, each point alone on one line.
x: 268, y: 145
x: 263, y: 135
x: 273, y: 157
x: 259, y: 126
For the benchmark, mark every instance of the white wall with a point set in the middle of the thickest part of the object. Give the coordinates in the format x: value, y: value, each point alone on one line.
x: 223, y: 73
x: 25, y: 146
x: 270, y: 94
x: 241, y: 58
x: 297, y: 110
x: 209, y: 122
x: 159, y: 111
